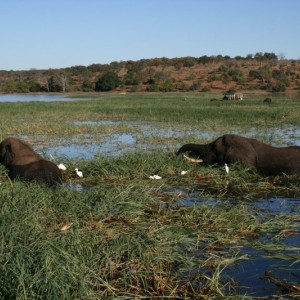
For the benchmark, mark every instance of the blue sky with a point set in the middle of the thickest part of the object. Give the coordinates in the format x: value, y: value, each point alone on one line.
x: 45, y: 34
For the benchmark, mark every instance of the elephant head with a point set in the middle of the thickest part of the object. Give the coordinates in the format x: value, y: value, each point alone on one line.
x: 24, y: 163
x: 247, y: 152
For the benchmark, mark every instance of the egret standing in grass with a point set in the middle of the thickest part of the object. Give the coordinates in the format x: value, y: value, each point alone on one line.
x: 226, y: 168
x: 79, y: 173
x: 227, y: 171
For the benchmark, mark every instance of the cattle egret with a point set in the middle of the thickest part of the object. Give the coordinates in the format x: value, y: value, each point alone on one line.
x: 183, y: 172
x: 62, y: 167
x: 226, y: 168
x: 79, y: 173
x: 155, y: 177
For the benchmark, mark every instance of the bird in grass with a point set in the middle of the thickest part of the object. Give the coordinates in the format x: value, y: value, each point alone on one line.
x: 226, y: 168
x: 62, y: 167
x: 79, y: 173
x: 154, y: 177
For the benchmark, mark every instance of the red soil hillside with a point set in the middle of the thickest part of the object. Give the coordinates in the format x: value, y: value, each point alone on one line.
x: 262, y: 72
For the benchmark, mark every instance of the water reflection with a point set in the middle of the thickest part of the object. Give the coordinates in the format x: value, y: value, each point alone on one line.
x: 114, y: 145
x: 77, y: 187
x: 142, y: 135
x: 250, y: 274
x: 283, y: 136
x: 277, y: 205
x: 37, y: 97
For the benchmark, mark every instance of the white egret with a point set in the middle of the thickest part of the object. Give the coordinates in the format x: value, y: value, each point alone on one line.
x: 226, y: 168
x: 154, y: 177
x: 62, y: 167
x: 79, y: 173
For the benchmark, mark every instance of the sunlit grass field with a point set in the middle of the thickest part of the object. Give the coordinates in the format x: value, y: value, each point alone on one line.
x: 124, y: 236
x: 194, y: 110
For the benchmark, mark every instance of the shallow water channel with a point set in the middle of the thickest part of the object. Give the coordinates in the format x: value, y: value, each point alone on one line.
x: 270, y: 265
x: 270, y: 270
x: 255, y: 276
x: 139, y: 134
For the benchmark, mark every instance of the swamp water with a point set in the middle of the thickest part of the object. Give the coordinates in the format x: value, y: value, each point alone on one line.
x: 270, y: 270
x: 265, y: 272
x: 264, y: 269
x: 139, y: 133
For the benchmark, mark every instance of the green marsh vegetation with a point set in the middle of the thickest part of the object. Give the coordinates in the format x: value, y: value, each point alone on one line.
x: 132, y: 237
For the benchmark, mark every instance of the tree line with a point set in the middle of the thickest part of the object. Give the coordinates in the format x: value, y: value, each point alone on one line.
x: 264, y: 70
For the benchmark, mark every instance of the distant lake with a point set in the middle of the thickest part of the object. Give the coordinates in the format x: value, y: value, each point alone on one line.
x: 37, y: 97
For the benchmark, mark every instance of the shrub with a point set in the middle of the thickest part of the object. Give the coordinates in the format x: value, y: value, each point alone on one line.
x: 279, y: 87
x: 53, y: 85
x: 167, y: 86
x: 107, y: 82
x: 34, y: 86
x: 152, y: 88
x: 87, y: 86
x: 195, y: 86
x: 205, y: 89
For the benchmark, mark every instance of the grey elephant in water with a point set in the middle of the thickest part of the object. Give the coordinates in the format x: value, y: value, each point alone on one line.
x: 247, y: 152
x: 24, y: 163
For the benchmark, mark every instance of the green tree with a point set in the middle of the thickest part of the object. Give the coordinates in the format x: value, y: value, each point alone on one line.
x: 87, y: 86
x: 107, y: 82
x: 34, y: 86
x: 167, y: 86
x: 53, y: 85
x: 279, y: 87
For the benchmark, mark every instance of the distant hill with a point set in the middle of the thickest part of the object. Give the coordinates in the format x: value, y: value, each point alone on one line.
x: 256, y: 73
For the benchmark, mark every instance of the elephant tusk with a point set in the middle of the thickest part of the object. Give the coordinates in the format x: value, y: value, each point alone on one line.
x: 194, y: 160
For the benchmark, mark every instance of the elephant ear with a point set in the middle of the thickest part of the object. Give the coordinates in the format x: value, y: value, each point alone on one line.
x: 240, y: 150
x: 7, y: 154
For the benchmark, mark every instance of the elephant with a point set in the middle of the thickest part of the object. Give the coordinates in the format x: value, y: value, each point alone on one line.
x: 247, y: 152
x: 24, y: 163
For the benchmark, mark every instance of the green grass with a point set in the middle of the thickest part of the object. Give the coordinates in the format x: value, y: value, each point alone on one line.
x: 195, y: 110
x: 129, y: 238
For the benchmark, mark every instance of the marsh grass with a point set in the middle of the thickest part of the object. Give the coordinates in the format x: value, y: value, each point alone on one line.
x: 47, y: 120
x: 130, y: 236
x: 125, y: 242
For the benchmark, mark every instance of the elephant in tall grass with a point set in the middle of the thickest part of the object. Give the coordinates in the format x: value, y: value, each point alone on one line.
x: 24, y: 163
x: 247, y: 152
